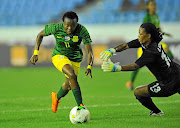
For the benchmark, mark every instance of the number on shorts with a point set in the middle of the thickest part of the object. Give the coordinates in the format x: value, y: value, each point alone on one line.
x: 156, y: 88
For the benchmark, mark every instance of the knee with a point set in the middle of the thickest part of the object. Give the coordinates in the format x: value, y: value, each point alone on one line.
x: 138, y: 95
x: 141, y: 91
x: 136, y: 92
x: 66, y: 86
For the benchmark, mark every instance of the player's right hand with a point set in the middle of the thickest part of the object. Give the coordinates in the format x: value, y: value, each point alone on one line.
x: 34, y: 59
x: 107, y: 54
x: 109, y: 66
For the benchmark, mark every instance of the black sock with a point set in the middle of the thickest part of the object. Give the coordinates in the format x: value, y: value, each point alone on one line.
x: 148, y: 103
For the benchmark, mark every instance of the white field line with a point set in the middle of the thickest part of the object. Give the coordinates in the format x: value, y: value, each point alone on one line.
x: 88, y: 106
x: 49, y: 98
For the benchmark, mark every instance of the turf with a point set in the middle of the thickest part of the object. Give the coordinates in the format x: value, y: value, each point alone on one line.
x: 25, y: 100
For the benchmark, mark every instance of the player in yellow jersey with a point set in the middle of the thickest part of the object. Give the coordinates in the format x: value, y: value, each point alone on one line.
x: 67, y: 54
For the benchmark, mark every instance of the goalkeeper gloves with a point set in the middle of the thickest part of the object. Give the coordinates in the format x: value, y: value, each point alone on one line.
x: 107, y: 54
x: 110, y: 67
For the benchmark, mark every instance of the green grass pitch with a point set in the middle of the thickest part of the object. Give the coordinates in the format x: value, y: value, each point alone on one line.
x: 25, y: 100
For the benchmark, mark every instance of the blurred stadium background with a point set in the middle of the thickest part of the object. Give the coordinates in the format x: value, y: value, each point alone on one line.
x: 109, y: 22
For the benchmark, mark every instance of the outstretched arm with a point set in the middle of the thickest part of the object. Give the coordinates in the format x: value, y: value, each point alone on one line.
x: 107, y: 54
x: 131, y: 67
x: 39, y: 39
x: 109, y: 66
x: 90, y: 59
x: 121, y: 47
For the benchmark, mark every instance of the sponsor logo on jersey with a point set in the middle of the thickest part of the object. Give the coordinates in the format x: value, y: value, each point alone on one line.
x: 67, y: 38
x: 61, y: 57
x: 59, y: 36
x: 75, y: 39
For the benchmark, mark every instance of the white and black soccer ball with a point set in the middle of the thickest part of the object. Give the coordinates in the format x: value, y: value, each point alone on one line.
x: 77, y: 115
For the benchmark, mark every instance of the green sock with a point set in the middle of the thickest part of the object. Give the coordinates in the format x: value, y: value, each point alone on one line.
x: 61, y: 93
x: 77, y: 95
x: 133, y: 75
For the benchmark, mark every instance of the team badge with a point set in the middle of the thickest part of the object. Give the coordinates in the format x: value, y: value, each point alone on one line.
x: 67, y: 38
x: 75, y: 39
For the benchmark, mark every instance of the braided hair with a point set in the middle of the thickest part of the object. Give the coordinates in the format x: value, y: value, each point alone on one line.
x: 150, y: 28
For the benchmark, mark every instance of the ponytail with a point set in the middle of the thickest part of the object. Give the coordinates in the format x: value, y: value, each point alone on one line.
x: 158, y: 36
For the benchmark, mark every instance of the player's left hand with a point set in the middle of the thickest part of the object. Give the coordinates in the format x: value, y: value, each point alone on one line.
x: 88, y: 72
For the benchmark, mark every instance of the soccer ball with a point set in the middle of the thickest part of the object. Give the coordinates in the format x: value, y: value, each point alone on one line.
x: 77, y: 115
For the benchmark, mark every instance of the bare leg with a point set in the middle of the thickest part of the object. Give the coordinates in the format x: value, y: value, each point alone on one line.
x: 66, y: 85
x: 143, y: 96
x: 68, y: 70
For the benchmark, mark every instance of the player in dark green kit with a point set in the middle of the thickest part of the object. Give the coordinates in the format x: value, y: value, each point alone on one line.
x: 152, y: 17
x: 67, y: 54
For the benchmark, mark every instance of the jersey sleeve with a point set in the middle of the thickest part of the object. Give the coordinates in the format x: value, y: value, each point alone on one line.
x: 85, y: 35
x: 146, y: 19
x: 50, y: 29
x: 134, y: 44
x: 146, y: 58
x: 158, y: 22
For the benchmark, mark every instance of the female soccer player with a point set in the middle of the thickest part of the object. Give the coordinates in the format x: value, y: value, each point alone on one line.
x: 152, y: 17
x: 67, y: 54
x: 164, y: 69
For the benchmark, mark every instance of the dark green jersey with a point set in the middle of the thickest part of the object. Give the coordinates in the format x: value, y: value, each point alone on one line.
x: 68, y: 45
x: 152, y: 19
